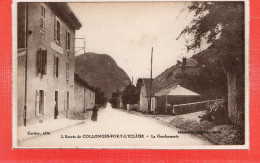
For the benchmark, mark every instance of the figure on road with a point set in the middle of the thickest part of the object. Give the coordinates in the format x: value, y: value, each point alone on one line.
x: 94, y: 113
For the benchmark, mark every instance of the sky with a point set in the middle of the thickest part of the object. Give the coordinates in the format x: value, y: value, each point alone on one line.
x: 127, y: 31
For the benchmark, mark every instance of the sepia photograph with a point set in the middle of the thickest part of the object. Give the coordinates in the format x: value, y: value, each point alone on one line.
x: 132, y: 75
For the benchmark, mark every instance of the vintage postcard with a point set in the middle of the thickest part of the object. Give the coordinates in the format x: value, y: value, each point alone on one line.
x: 135, y: 75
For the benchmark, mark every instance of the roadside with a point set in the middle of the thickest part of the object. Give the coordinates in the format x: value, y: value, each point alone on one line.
x: 190, y: 124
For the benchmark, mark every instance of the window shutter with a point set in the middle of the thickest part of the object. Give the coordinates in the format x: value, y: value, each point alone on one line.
x: 60, y: 34
x: 67, y: 39
x: 41, y: 111
x: 44, y: 61
x: 38, y: 61
x: 54, y: 66
x: 55, y: 28
x: 57, y: 68
x: 37, y: 102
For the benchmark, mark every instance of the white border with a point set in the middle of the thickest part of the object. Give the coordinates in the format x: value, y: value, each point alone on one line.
x: 211, y: 147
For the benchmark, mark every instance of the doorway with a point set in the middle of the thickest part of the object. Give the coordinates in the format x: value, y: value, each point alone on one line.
x: 56, y: 111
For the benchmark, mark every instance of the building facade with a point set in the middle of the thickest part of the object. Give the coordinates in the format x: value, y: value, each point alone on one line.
x: 144, y: 101
x: 46, y: 60
x: 84, y: 95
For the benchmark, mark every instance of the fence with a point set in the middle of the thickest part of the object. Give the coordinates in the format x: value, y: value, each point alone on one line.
x: 193, y: 107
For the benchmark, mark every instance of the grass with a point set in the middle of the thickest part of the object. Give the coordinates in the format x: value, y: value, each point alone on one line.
x: 222, y: 134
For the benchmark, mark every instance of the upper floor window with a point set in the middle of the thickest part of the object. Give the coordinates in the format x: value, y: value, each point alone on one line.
x: 57, y: 30
x: 56, y: 67
x: 41, y: 61
x: 67, y: 71
x: 68, y: 40
x: 43, y: 18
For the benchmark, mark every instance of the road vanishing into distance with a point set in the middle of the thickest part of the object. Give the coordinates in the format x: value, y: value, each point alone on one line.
x: 119, y: 129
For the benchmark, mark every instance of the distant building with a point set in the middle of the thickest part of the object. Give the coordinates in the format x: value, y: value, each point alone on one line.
x: 84, y: 95
x: 46, y: 36
x: 191, y: 62
x: 144, y: 85
x: 187, y: 67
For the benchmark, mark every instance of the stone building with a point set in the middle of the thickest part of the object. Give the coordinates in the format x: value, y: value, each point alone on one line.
x: 84, y: 95
x: 46, y: 60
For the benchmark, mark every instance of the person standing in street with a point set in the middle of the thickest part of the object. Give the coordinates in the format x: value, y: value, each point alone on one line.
x: 94, y: 114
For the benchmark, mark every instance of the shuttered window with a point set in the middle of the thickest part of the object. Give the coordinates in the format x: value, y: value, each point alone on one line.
x: 43, y: 18
x: 56, y: 67
x: 57, y: 30
x: 41, y: 61
x: 68, y: 40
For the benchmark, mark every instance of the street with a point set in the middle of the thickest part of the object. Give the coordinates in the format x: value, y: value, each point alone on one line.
x: 115, y: 126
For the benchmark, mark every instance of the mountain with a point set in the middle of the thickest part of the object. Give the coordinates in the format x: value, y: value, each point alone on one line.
x: 101, y: 71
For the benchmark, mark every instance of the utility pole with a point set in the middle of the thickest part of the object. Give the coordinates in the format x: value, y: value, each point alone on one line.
x: 26, y: 62
x: 151, y: 82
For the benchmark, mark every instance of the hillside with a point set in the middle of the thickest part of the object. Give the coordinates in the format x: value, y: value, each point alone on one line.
x: 207, y: 79
x: 101, y: 71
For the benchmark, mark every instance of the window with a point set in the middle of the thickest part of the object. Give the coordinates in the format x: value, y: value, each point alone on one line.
x: 67, y: 101
x: 43, y: 18
x: 41, y: 61
x: 68, y: 40
x: 56, y: 67
x: 67, y: 71
x: 39, y: 102
x: 57, y: 30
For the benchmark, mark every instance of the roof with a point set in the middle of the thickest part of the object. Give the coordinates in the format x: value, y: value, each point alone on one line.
x: 65, y: 12
x: 157, y: 85
x: 78, y: 79
x: 176, y: 90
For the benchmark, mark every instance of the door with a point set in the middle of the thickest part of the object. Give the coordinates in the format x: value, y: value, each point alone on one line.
x: 41, y: 102
x: 68, y: 100
x: 56, y: 111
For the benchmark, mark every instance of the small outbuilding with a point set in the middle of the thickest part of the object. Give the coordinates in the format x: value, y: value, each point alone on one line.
x: 84, y: 95
x: 173, y: 95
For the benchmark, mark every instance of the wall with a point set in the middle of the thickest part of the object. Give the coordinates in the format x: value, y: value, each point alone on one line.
x: 79, y: 98
x: 20, y: 88
x: 48, y: 82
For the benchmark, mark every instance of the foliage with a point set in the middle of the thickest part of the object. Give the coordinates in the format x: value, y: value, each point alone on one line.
x: 220, y: 24
x: 130, y: 95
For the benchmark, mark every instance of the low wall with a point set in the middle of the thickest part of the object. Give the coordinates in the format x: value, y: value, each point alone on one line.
x: 192, y: 107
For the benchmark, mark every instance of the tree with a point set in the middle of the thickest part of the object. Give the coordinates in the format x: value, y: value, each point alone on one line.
x: 130, y: 95
x: 221, y: 26
x: 100, y: 97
